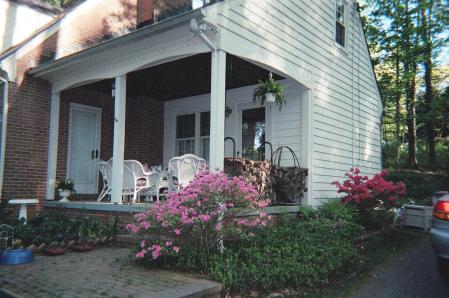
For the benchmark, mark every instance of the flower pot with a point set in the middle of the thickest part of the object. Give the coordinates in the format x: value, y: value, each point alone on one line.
x: 270, y: 97
x: 55, y: 250
x: 64, y: 194
x: 82, y: 247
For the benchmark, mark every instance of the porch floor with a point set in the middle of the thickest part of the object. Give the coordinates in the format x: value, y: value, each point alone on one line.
x: 103, y: 272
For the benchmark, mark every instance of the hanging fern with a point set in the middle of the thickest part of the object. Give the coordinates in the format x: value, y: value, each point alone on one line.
x: 270, y: 86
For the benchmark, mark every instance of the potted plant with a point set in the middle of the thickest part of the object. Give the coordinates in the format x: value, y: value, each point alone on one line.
x: 270, y: 91
x: 55, y: 249
x: 85, y: 234
x: 65, y: 188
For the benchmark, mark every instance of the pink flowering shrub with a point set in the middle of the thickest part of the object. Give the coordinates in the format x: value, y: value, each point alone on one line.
x: 198, y: 215
x: 372, y: 198
x: 369, y: 193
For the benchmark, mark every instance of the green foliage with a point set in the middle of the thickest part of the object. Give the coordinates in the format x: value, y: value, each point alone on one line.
x: 270, y: 86
x: 55, y: 227
x: 335, y: 210
x: 291, y: 253
x: 420, y: 185
x: 66, y: 185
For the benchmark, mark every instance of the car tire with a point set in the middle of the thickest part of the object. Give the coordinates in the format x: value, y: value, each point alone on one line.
x: 443, y: 269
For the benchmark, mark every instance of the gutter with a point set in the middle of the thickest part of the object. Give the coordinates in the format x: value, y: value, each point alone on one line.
x: 5, y: 81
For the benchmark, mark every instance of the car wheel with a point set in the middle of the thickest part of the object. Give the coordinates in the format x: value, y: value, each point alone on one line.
x: 443, y: 269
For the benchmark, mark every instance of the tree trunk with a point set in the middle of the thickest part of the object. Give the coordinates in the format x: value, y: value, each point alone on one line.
x: 411, y: 115
x: 398, y: 109
x: 428, y: 98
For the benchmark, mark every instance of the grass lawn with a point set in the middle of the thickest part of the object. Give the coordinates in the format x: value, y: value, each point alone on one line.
x: 373, y: 253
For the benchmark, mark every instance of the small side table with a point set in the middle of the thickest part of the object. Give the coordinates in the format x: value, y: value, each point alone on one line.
x: 23, y: 206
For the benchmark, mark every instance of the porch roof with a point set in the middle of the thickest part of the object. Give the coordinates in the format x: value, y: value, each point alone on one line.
x: 148, y: 46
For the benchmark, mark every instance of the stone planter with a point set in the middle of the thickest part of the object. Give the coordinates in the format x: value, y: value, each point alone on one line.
x: 64, y: 194
x: 418, y: 216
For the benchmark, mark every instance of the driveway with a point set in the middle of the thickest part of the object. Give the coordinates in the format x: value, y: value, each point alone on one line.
x: 414, y: 274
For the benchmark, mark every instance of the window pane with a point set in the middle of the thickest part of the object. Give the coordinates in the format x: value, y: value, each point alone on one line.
x: 253, y: 134
x: 205, y: 124
x: 205, y: 141
x: 340, y: 34
x: 340, y: 14
x: 185, y: 146
x: 185, y: 126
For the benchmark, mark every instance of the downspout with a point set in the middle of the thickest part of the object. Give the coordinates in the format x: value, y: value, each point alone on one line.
x: 3, y: 80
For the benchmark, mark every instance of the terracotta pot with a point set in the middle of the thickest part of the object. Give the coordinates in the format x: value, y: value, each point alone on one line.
x: 55, y: 250
x: 82, y: 247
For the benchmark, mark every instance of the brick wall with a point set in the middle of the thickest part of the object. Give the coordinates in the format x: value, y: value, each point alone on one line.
x: 29, y: 113
x: 144, y: 128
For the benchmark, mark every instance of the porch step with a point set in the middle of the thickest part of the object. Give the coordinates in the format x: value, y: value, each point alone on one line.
x: 126, y: 240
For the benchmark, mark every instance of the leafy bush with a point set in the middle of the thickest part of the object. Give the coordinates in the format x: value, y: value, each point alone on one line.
x: 291, y: 253
x: 50, y: 227
x: 199, y: 215
x: 420, y: 185
x: 335, y: 210
x: 372, y: 198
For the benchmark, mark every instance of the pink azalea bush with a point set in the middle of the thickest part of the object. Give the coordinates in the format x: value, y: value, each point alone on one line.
x: 367, y: 193
x: 198, y: 216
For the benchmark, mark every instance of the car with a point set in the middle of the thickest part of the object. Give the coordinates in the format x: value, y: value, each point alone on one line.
x: 439, y: 235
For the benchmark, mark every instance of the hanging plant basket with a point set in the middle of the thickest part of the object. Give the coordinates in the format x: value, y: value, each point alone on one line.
x: 270, y: 91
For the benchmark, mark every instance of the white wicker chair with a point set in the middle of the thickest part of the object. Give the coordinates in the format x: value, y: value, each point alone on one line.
x: 105, y: 168
x: 184, y: 168
x: 135, y: 180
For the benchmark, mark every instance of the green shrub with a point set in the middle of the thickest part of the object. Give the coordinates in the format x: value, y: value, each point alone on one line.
x: 335, y: 210
x: 291, y: 253
x: 420, y: 185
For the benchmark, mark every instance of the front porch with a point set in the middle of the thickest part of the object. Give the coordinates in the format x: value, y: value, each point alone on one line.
x: 171, y: 93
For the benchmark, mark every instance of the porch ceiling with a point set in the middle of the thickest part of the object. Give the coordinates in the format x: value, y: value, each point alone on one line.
x: 185, y: 77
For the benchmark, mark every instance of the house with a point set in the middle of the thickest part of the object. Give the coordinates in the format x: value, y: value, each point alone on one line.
x: 153, y: 79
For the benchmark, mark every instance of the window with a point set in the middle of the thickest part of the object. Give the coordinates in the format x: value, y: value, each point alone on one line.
x: 253, y: 134
x: 185, y: 134
x: 340, y: 23
x: 204, y: 134
x: 189, y: 136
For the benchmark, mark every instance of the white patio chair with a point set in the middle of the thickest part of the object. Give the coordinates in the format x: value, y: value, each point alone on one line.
x: 105, y: 168
x: 136, y: 180
x: 184, y: 168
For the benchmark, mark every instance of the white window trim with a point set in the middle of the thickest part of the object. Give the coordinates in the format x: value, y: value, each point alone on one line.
x: 344, y: 48
x: 197, y: 138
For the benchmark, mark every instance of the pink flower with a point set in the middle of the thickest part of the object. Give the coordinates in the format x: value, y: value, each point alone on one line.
x: 176, y: 249
x: 168, y: 243
x: 178, y: 232
x: 142, y: 244
x: 140, y: 254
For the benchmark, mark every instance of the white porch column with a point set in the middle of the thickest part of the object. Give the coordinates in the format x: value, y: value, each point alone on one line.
x: 119, y: 138
x: 217, y: 110
x: 53, y: 146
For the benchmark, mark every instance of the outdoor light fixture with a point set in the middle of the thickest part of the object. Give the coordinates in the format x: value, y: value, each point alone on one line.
x: 228, y: 112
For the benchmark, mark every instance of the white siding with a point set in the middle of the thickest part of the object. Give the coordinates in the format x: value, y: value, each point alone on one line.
x: 298, y: 36
x: 17, y: 22
x: 283, y: 127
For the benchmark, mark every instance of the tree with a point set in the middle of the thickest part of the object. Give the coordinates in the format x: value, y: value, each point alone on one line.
x: 435, y: 19
x: 397, y: 60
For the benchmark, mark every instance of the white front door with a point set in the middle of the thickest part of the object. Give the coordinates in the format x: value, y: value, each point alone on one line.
x: 84, y: 148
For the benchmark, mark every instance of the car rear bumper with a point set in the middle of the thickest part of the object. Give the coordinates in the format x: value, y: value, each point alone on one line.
x: 440, y: 242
